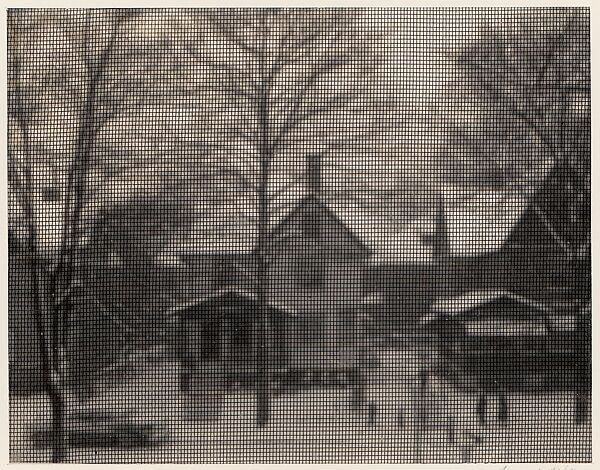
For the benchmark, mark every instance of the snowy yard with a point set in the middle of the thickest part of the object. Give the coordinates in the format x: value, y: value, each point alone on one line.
x: 317, y: 427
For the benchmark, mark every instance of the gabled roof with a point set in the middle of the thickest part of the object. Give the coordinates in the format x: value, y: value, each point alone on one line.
x: 476, y: 223
x: 481, y: 222
x: 231, y: 291
x: 348, y: 220
x: 469, y: 301
x: 234, y: 231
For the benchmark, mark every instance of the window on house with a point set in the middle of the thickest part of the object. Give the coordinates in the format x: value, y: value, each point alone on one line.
x: 311, y: 272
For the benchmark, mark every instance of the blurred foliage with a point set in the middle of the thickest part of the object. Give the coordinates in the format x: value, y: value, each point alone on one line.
x: 523, y: 99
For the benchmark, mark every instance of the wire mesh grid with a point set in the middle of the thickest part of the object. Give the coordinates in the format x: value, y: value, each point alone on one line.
x: 299, y: 235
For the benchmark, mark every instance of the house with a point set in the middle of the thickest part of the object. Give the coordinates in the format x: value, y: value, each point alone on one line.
x: 505, y: 242
x: 316, y: 266
x: 541, y: 350
x: 474, y: 241
x: 316, y: 261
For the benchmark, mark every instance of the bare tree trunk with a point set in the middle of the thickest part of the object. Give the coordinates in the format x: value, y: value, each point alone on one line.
x: 50, y: 377
x: 64, y: 274
x: 262, y: 344
x: 263, y: 396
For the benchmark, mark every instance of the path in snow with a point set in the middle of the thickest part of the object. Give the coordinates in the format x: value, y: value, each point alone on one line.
x: 317, y: 427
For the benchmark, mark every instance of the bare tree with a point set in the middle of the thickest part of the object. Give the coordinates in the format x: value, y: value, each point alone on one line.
x: 295, y: 82
x: 65, y: 73
x: 527, y: 92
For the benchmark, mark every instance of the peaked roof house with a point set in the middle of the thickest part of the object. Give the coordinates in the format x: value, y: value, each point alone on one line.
x: 473, y: 242
x: 316, y: 253
x: 503, y: 242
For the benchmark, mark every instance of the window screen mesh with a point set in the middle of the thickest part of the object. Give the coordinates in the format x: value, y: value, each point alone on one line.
x: 299, y: 235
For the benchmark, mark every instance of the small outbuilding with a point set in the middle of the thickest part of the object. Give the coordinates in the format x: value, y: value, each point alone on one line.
x: 494, y: 340
x: 215, y: 343
x: 499, y: 342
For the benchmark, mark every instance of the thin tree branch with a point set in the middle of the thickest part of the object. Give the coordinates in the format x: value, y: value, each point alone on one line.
x: 283, y: 58
x: 234, y: 72
x: 118, y: 109
x: 231, y: 90
x: 294, y: 115
x: 14, y: 170
x: 554, y: 47
x: 237, y: 174
x: 295, y: 182
x: 561, y: 242
x: 230, y: 32
x: 514, y: 109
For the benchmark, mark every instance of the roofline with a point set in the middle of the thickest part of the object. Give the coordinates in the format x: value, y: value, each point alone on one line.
x: 175, y: 311
x: 530, y: 205
x: 330, y: 211
x: 436, y: 312
x: 402, y: 263
x: 185, y: 250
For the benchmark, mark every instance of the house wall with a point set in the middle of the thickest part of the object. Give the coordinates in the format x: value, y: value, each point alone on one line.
x: 322, y: 331
x: 320, y: 327
x: 530, y: 264
x: 406, y: 292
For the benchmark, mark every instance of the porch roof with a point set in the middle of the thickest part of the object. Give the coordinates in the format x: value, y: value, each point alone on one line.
x: 180, y: 310
x: 463, y: 304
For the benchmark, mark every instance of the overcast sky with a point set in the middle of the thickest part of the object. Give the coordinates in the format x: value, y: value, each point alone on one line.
x: 418, y: 53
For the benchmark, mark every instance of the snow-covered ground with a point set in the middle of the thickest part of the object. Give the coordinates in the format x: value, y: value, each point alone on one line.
x: 317, y: 426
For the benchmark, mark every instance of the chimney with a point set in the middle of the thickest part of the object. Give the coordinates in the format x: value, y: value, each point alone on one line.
x: 312, y: 216
x: 438, y: 239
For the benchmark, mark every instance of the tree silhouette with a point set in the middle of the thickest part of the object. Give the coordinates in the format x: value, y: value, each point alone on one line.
x: 292, y: 82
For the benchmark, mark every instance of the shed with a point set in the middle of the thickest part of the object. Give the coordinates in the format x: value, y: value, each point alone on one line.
x: 215, y: 336
x: 500, y: 342
x: 506, y: 342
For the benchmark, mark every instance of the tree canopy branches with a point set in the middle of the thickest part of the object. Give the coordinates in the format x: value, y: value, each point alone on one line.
x: 529, y: 117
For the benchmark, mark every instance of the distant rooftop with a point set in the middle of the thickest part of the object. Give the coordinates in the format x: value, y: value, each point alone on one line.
x: 481, y: 222
x: 477, y: 223
x: 458, y: 304
x: 233, y: 228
